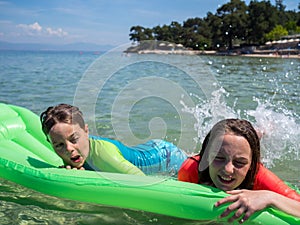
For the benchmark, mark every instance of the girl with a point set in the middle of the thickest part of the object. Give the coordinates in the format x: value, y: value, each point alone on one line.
x: 230, y: 160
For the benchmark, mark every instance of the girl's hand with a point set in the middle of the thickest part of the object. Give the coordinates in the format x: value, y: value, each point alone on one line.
x: 68, y: 167
x: 245, y: 203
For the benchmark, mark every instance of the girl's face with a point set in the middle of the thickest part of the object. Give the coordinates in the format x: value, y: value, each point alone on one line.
x: 230, y: 159
x: 70, y: 142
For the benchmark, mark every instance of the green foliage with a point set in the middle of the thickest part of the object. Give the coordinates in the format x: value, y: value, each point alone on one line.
x: 139, y: 33
x: 276, y: 33
x: 233, y: 22
x: 263, y: 17
x: 292, y: 27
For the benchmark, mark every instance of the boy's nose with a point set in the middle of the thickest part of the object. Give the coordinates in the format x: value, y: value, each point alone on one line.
x: 69, y: 147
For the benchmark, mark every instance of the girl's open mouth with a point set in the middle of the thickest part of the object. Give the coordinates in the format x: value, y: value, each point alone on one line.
x: 226, y: 180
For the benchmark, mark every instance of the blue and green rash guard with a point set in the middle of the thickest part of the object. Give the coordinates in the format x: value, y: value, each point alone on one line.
x: 153, y: 157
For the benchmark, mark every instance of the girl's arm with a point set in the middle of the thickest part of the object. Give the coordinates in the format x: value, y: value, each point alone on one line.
x: 247, y: 202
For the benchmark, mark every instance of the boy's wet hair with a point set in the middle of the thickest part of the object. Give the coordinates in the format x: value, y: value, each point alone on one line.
x: 62, y: 113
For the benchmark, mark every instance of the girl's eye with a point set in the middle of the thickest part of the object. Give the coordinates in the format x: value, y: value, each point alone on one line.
x: 239, y: 164
x: 219, y: 157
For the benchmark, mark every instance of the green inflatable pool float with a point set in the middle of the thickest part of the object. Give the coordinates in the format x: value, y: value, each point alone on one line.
x: 26, y: 158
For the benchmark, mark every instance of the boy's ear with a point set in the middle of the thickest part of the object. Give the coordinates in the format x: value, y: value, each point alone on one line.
x: 86, y: 128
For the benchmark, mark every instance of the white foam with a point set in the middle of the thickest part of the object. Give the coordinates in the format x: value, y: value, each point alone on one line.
x: 279, y: 125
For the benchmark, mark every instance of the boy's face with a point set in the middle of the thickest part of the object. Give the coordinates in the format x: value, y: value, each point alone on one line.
x: 71, y: 143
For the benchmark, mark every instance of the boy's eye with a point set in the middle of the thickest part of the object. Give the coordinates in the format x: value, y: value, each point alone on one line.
x: 74, y: 140
x: 58, y: 146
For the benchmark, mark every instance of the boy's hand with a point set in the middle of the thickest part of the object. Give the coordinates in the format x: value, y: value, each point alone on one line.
x: 68, y: 167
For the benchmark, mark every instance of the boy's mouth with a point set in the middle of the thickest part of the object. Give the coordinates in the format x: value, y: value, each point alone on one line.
x: 76, y: 158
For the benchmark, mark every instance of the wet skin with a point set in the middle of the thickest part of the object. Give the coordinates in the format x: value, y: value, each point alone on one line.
x: 71, y: 143
x: 230, y: 156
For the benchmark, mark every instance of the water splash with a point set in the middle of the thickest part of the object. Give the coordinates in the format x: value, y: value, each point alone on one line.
x: 209, y: 111
x: 279, y: 126
x: 280, y: 129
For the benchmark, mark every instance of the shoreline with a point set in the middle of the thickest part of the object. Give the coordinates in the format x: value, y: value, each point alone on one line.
x: 215, y: 53
x: 174, y: 52
x: 272, y: 56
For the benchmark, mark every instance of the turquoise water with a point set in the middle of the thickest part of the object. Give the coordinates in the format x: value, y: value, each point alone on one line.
x: 137, y: 97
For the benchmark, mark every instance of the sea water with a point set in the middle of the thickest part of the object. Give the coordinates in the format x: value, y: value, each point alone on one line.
x: 138, y: 97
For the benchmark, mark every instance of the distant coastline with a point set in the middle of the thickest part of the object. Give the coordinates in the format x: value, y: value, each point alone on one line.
x: 277, y: 50
x: 266, y: 54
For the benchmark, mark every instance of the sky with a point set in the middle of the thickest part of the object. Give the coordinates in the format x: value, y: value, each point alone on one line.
x: 104, y: 22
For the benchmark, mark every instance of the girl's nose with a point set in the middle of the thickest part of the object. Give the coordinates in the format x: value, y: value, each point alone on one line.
x: 229, y: 167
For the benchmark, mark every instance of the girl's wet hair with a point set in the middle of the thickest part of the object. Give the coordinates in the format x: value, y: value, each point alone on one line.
x: 62, y: 113
x: 236, y: 127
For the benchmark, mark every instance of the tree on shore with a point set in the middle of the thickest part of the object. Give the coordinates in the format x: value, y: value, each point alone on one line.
x: 233, y: 23
x: 263, y: 17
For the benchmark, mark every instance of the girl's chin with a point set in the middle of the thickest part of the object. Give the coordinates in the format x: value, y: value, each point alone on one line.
x: 226, y: 188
